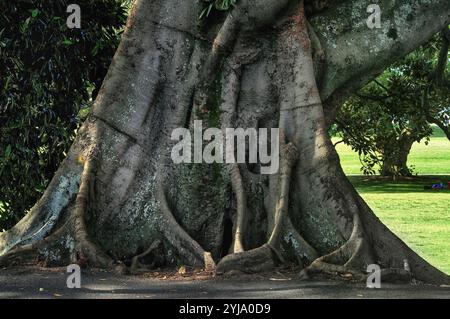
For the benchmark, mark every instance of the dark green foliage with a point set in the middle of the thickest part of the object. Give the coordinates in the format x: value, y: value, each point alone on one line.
x: 48, y: 77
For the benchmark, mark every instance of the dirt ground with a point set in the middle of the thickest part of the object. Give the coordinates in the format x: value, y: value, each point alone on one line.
x: 35, y: 282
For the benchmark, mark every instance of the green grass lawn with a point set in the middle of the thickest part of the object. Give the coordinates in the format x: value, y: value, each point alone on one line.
x: 419, y: 217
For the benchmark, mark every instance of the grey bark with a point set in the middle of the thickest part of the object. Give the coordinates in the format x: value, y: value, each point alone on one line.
x: 395, y: 157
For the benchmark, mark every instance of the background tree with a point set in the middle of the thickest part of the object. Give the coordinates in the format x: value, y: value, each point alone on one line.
x: 119, y: 200
x: 48, y: 75
x: 435, y: 89
x: 383, y: 120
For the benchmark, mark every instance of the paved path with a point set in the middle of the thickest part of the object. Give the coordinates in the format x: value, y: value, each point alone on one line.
x: 23, y: 283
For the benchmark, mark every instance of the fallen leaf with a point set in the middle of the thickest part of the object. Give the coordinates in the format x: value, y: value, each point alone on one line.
x: 182, y: 270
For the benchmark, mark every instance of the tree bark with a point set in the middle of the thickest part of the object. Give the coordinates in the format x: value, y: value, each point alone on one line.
x: 395, y: 157
x: 118, y: 197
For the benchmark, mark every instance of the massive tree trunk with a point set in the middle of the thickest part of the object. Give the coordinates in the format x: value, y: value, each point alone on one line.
x: 395, y: 157
x: 118, y: 199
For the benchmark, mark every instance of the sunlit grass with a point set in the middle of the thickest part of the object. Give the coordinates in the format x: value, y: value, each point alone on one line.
x: 419, y: 217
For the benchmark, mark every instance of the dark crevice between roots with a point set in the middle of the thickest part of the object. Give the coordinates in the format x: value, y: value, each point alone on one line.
x: 149, y: 259
x: 227, y: 240
x: 267, y: 256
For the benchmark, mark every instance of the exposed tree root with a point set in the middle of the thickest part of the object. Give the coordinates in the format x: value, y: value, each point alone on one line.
x: 265, y: 257
x: 350, y: 261
x: 19, y: 256
x: 187, y: 247
x: 86, y: 250
x: 137, y: 266
x: 241, y: 198
x: 390, y: 275
x: 251, y: 261
x: 322, y: 268
x: 289, y: 156
x: 395, y: 275
x: 260, y: 14
x: 352, y: 257
x: 42, y: 218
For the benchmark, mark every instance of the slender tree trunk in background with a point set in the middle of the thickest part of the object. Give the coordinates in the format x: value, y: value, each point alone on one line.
x: 119, y: 200
x: 395, y: 157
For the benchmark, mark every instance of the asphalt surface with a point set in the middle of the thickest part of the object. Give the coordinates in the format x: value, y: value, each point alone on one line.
x: 23, y: 283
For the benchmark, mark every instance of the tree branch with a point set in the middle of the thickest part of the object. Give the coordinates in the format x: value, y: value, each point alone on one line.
x: 443, y: 57
x: 431, y: 119
x: 355, y: 54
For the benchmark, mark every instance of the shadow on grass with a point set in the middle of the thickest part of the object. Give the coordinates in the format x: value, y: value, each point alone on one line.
x: 416, y: 184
